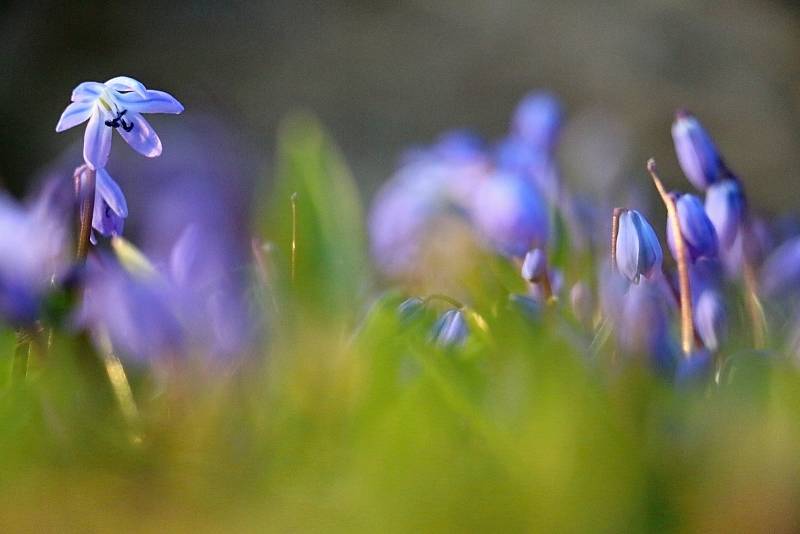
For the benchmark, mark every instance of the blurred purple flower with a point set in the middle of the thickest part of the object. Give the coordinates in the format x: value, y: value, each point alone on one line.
x: 510, y: 215
x: 697, y: 154
x: 698, y: 232
x: 695, y: 369
x: 643, y: 327
x: 33, y: 253
x: 710, y: 319
x: 450, y: 329
x: 725, y: 208
x: 537, y: 120
x: 117, y: 104
x: 638, y: 251
x: 110, y: 205
x: 780, y: 274
x: 581, y: 301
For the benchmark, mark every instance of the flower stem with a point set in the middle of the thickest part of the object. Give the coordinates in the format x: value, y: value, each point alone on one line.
x: 754, y: 308
x: 687, y: 324
x: 85, y: 178
x: 22, y: 349
x: 293, y: 266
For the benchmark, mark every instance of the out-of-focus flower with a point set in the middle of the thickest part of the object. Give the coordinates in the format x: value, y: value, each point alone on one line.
x: 450, y: 329
x: 410, y: 309
x: 32, y: 254
x: 697, y: 154
x: 725, y: 208
x: 117, y: 104
x: 432, y: 182
x: 510, y: 215
x: 534, y: 266
x: 694, y: 369
x: 780, y: 273
x: 642, y: 325
x: 710, y: 318
x: 638, y: 252
x: 537, y: 120
x: 133, y: 310
x: 698, y: 232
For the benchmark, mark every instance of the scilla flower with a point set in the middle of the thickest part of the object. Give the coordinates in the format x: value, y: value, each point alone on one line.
x: 117, y: 104
x: 698, y: 231
x: 537, y: 120
x: 110, y: 206
x: 638, y: 252
x: 510, y: 214
x: 725, y: 207
x: 697, y: 154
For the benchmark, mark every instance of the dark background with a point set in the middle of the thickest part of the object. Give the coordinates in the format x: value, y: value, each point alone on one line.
x: 384, y: 74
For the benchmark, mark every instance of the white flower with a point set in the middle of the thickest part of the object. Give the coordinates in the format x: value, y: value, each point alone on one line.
x: 118, y: 105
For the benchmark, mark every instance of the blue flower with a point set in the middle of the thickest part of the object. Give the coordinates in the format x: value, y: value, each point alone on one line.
x: 638, y: 252
x: 694, y: 369
x: 710, y: 319
x: 642, y: 325
x: 537, y: 120
x: 780, y: 273
x: 698, y: 232
x: 117, y: 104
x: 725, y: 208
x: 697, y: 154
x: 450, y: 329
x: 33, y: 252
x: 110, y: 205
x: 510, y: 215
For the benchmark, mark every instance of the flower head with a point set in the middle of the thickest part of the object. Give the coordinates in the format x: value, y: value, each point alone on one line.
x: 510, y: 214
x: 725, y: 208
x: 698, y: 232
x: 117, y: 104
x: 638, y: 252
x: 537, y: 120
x: 534, y: 266
x: 697, y: 154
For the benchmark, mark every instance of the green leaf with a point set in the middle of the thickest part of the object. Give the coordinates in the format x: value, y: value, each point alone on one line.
x: 315, y: 206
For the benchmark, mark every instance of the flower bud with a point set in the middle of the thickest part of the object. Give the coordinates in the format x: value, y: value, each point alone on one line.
x: 724, y: 207
x: 410, y: 309
x: 638, y: 251
x: 780, y: 273
x: 510, y: 214
x: 697, y: 154
x: 534, y: 267
x: 451, y: 329
x: 698, y: 232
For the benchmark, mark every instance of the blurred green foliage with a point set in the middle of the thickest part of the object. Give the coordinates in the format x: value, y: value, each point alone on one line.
x: 363, y: 425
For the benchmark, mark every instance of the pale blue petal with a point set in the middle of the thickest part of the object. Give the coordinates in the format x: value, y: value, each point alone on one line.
x: 155, y: 102
x: 111, y: 193
x: 125, y: 83
x: 142, y: 138
x: 74, y: 114
x: 628, y: 247
x: 96, y: 141
x: 87, y: 91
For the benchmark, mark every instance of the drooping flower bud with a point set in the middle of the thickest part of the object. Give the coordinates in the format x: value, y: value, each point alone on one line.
x: 451, y: 329
x: 698, y: 232
x: 510, y: 215
x: 534, y: 267
x: 697, y: 154
x: 537, y: 120
x: 725, y: 207
x: 638, y: 252
x: 410, y: 308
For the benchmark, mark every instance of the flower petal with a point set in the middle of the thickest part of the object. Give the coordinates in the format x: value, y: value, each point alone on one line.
x: 104, y: 219
x: 125, y: 83
x: 96, y: 141
x: 74, y: 114
x: 155, y: 102
x: 87, y: 91
x: 142, y: 138
x: 111, y: 193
